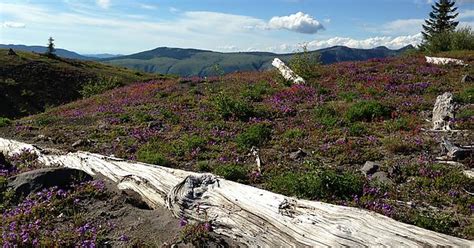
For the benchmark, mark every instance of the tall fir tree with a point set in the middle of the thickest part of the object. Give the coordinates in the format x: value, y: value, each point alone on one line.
x: 441, y: 19
x: 51, y: 50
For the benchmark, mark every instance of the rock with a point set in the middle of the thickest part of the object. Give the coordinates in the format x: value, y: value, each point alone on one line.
x: 298, y: 154
x: 369, y: 168
x: 36, y: 180
x: 443, y: 111
x: 287, y: 73
x: 382, y: 177
x: 467, y: 79
x: 11, y: 52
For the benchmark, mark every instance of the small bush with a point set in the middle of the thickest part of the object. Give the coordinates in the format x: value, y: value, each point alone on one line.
x: 99, y: 86
x: 436, y: 222
x: 256, y: 92
x: 255, y: 135
x: 466, y: 96
x: 398, y: 145
x: 306, y: 64
x: 5, y: 122
x: 232, y: 172
x: 462, y: 39
x: 189, y: 143
x: 44, y: 120
x: 357, y: 129
x: 400, y: 124
x: 294, y: 133
x: 203, y: 166
x: 142, y: 117
x: 348, y: 96
x: 170, y: 116
x: 228, y: 107
x: 367, y: 111
x: 151, y: 153
x: 325, y: 184
x: 326, y: 115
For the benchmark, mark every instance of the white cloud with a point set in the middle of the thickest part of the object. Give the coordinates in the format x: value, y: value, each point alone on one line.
x: 299, y: 22
x: 13, y: 25
x: 105, y: 4
x: 469, y: 13
x: 148, y: 6
x: 403, y: 26
x: 388, y: 41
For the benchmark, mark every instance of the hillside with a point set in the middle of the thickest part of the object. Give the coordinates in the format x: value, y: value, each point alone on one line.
x: 313, y: 139
x: 31, y: 82
x: 63, y: 53
x: 193, y: 62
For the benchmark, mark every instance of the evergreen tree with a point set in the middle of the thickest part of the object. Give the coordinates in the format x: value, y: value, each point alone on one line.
x: 441, y: 19
x: 51, y: 49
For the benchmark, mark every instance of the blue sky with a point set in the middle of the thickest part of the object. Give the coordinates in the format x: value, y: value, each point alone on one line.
x: 125, y: 26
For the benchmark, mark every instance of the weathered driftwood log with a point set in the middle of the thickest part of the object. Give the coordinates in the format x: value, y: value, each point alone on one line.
x: 252, y: 216
x: 454, y: 152
x: 444, y: 61
x: 287, y: 73
x: 443, y: 111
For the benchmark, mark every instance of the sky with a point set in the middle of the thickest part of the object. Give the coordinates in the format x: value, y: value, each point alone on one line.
x: 126, y: 26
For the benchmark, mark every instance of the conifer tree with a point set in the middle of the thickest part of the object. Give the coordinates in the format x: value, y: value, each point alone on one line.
x: 51, y: 50
x: 441, y: 19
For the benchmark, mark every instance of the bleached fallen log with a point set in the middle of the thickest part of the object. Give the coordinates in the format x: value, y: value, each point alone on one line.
x: 453, y: 151
x: 287, y: 73
x: 252, y: 216
x: 443, y: 112
x: 444, y: 61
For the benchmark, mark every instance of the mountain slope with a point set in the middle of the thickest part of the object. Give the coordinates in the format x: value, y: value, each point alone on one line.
x: 30, y: 82
x: 63, y: 53
x: 354, y: 112
x: 192, y: 62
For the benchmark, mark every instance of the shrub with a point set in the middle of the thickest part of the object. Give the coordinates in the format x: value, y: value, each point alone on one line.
x: 357, y: 129
x: 294, y: 133
x: 324, y: 184
x: 437, y: 222
x: 170, y: 116
x: 466, y: 96
x: 255, y: 135
x: 228, y: 107
x: 255, y: 92
x: 348, y: 96
x: 306, y: 64
x: 367, y: 111
x: 400, y: 124
x: 151, y: 153
x: 141, y: 117
x: 44, y: 120
x: 462, y: 39
x: 203, y: 166
x: 396, y: 144
x: 100, y: 86
x: 326, y: 115
x: 5, y: 122
x: 189, y: 143
x: 232, y: 172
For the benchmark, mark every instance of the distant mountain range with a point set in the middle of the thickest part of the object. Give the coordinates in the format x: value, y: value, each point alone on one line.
x: 192, y: 62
